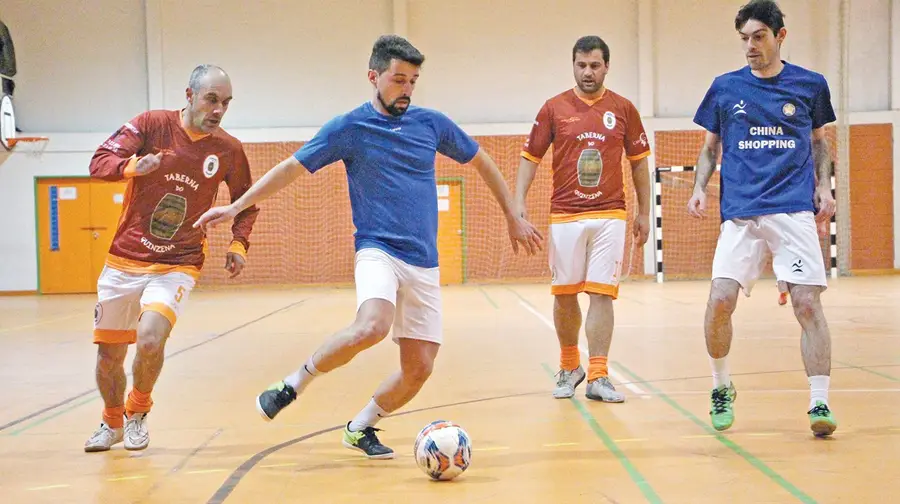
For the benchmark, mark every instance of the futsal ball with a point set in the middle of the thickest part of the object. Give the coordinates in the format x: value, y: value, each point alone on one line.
x: 443, y: 450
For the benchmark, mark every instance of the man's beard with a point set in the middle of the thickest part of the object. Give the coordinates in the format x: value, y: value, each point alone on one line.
x: 392, y: 108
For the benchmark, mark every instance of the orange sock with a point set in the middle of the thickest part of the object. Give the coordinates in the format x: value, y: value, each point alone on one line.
x: 597, y: 368
x: 569, y: 358
x: 113, y: 416
x: 138, y: 402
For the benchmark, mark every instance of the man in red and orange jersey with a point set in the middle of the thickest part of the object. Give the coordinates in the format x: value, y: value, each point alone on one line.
x: 174, y: 161
x: 590, y: 128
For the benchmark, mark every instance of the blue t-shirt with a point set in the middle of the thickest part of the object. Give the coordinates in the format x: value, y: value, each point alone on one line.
x: 390, y: 173
x: 766, y: 129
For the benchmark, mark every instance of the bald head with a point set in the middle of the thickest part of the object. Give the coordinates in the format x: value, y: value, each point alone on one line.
x: 208, y: 94
x: 204, y: 74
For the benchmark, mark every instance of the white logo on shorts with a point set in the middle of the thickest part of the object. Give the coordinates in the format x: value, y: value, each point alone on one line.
x: 210, y: 165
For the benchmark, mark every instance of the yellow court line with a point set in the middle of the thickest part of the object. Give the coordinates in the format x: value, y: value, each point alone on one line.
x: 491, y: 448
x: 128, y: 478
x: 48, y: 487
x: 630, y: 440
x: 287, y: 464
x: 553, y: 445
x: 206, y: 471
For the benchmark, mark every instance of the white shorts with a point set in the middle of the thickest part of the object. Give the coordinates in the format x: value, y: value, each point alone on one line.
x: 744, y: 246
x: 415, y: 293
x: 123, y: 297
x: 586, y: 256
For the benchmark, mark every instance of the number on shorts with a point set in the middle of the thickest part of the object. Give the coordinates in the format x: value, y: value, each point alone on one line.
x: 179, y: 294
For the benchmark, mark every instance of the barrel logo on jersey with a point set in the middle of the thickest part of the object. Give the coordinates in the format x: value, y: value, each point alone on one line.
x: 168, y: 216
x: 789, y: 109
x: 609, y: 119
x: 590, y: 167
x: 210, y: 165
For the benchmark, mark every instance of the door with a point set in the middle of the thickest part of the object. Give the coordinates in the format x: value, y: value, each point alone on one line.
x: 106, y: 208
x: 64, y: 245
x: 450, y: 231
x: 77, y: 219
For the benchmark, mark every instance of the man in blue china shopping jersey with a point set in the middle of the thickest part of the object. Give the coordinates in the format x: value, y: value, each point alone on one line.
x: 768, y: 119
x: 388, y: 148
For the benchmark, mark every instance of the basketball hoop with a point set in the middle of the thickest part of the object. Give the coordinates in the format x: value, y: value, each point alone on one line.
x: 32, y: 146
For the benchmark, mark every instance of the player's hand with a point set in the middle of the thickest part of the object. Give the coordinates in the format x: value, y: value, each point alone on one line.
x: 234, y: 264
x: 641, y: 229
x: 825, y: 203
x: 522, y: 210
x: 150, y: 162
x: 697, y: 205
x: 520, y: 230
x: 822, y: 228
x: 215, y: 216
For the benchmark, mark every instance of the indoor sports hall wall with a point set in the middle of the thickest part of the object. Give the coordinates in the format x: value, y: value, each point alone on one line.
x: 303, y: 235
x: 490, y: 65
x: 689, y: 244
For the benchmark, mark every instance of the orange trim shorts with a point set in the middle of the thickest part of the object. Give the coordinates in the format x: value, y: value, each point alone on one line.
x: 586, y: 256
x: 123, y: 297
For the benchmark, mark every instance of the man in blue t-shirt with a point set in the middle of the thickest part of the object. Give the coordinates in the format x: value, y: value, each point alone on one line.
x: 768, y: 118
x: 388, y: 147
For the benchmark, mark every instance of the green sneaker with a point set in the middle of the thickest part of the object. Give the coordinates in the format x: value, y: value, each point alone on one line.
x: 821, y: 421
x: 721, y: 407
x: 367, y: 442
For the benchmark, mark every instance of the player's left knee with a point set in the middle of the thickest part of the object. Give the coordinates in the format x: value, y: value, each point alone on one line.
x: 600, y: 298
x: 151, y: 339
x: 418, y: 372
x: 806, y: 304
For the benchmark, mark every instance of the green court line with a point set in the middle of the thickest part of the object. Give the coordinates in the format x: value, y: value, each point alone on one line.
x: 871, y: 371
x: 51, y: 417
x: 486, y: 296
x: 611, y: 445
x: 736, y: 448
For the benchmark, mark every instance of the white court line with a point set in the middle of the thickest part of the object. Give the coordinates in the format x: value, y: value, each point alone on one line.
x: 616, y: 376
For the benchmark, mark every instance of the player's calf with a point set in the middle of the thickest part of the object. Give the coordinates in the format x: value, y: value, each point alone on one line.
x: 153, y: 332
x: 111, y: 382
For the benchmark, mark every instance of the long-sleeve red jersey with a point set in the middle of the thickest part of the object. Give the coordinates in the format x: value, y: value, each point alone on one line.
x: 155, y: 230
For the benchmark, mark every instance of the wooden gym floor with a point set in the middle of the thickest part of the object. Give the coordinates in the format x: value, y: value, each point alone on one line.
x: 493, y: 376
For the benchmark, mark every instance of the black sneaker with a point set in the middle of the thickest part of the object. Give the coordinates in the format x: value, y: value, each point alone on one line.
x: 367, y: 442
x: 274, y: 399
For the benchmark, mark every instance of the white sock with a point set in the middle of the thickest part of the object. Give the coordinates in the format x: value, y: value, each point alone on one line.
x: 818, y: 390
x: 302, y: 377
x: 368, y: 417
x: 720, y: 371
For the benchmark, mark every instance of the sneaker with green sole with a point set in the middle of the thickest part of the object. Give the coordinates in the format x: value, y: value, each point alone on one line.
x: 367, y: 442
x: 821, y: 421
x: 721, y: 410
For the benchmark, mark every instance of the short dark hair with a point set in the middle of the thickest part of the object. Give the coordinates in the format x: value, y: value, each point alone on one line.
x: 390, y: 47
x: 590, y: 43
x: 766, y: 12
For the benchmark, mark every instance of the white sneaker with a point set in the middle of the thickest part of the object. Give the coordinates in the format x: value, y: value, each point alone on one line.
x: 103, y: 438
x: 602, y: 390
x: 568, y: 380
x: 137, y: 437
